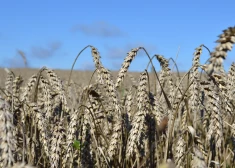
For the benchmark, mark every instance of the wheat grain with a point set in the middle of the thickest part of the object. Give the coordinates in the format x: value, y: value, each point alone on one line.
x: 194, y: 101
x: 139, y: 118
x: 7, y: 140
x: 198, y: 160
x: 226, y: 41
x: 57, y: 143
x: 125, y: 65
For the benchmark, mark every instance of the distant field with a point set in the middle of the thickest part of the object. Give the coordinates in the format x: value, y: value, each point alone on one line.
x: 80, y: 77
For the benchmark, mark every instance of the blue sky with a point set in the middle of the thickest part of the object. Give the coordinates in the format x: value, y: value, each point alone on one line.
x: 52, y: 32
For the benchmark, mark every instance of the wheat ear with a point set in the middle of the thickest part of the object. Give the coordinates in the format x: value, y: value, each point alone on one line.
x: 226, y: 41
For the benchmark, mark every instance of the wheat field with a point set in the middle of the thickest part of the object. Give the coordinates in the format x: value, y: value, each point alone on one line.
x: 121, y: 119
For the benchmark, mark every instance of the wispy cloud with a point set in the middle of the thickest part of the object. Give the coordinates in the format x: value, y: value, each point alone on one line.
x: 88, y: 66
x: 116, y: 65
x: 17, y: 61
x: 13, y: 62
x: 101, y: 29
x: 121, y: 52
x: 47, y: 51
x: 116, y: 52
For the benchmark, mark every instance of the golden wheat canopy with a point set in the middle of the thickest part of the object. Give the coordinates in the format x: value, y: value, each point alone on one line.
x: 156, y: 120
